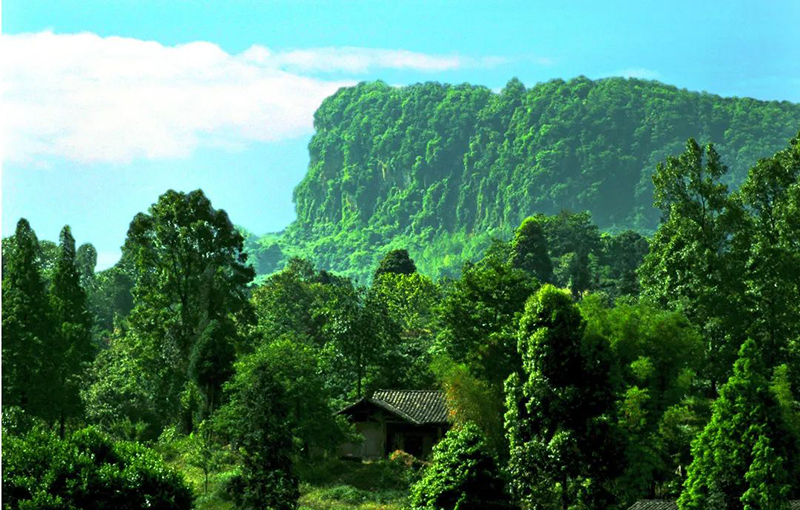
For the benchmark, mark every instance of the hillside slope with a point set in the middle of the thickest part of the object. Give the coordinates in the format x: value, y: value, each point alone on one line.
x: 440, y: 169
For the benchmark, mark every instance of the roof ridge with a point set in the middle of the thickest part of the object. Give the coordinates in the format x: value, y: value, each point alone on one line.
x: 412, y: 391
x: 391, y: 408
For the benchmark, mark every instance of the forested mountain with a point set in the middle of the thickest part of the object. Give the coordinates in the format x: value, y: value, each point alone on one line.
x: 441, y: 169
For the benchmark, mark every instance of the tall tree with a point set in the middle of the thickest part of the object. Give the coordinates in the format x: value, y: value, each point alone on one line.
x: 564, y: 451
x: 86, y: 262
x: 573, y: 241
x: 773, y: 271
x: 359, y: 335
x: 190, y: 270
x: 410, y: 301
x: 695, y: 261
x: 479, y: 313
x: 747, y: 454
x: 529, y: 249
x: 26, y: 321
x: 256, y: 421
x: 70, y: 349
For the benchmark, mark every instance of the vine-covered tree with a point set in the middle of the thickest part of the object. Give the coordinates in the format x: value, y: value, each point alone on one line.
x: 529, y: 249
x: 563, y: 446
x: 462, y: 475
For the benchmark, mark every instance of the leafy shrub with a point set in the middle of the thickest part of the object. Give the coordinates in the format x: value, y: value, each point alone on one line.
x: 463, y: 476
x: 87, y: 471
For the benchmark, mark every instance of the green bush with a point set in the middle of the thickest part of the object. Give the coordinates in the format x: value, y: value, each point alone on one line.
x: 463, y: 476
x: 87, y: 471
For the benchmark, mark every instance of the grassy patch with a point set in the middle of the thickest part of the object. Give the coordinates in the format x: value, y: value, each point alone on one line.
x: 330, y: 484
x: 350, y: 485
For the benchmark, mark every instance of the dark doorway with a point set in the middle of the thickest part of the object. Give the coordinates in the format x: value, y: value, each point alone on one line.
x: 413, y: 445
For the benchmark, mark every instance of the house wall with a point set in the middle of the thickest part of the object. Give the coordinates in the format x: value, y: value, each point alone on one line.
x: 374, y: 444
x: 384, y: 433
x: 372, y: 426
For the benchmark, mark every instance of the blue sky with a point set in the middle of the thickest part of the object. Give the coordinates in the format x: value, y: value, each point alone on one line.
x: 108, y: 104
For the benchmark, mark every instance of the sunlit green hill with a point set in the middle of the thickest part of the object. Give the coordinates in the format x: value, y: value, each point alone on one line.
x: 440, y: 169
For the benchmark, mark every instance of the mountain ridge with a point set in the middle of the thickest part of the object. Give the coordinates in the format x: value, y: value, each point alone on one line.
x: 441, y: 169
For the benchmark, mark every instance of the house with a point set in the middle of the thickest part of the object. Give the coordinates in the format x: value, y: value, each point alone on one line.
x: 389, y: 420
x: 665, y: 504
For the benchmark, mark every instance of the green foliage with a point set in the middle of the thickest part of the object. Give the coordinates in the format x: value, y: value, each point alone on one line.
x: 110, y: 300
x: 462, y: 475
x: 773, y: 260
x: 130, y: 392
x: 529, y: 249
x: 622, y: 254
x: 362, y: 339
x: 563, y: 445
x: 479, y: 313
x: 284, y: 303
x: 191, y: 271
x: 441, y: 169
x: 69, y: 350
x: 574, y: 242
x: 211, y: 362
x: 696, y: 259
x: 256, y: 421
x: 87, y: 471
x: 659, y: 354
x: 395, y: 262
x: 767, y: 480
x: 360, y: 342
x: 410, y: 301
x: 85, y: 263
x: 295, y: 365
x: 747, y: 455
x: 26, y: 323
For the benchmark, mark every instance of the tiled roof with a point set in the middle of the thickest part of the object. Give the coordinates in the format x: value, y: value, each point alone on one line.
x: 418, y: 406
x: 654, y: 504
x: 663, y: 504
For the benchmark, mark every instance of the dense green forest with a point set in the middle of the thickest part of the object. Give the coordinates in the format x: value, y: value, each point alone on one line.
x: 441, y: 169
x: 582, y: 369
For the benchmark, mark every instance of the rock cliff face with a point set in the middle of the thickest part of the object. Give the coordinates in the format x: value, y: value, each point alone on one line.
x: 440, y: 169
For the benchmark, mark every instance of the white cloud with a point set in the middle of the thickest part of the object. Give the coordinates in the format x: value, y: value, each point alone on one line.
x: 361, y: 60
x: 112, y: 99
x: 636, y: 72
